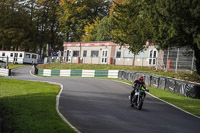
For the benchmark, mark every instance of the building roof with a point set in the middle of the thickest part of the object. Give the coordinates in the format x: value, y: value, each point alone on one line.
x: 89, y: 44
x: 17, y: 51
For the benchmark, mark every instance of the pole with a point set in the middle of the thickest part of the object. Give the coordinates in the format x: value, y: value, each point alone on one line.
x: 156, y: 63
x: 167, y: 59
x: 7, y: 61
x: 80, y: 53
x: 177, y: 58
x: 192, y: 67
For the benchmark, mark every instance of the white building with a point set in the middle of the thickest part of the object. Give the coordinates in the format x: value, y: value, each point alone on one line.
x: 107, y: 53
x: 19, y: 57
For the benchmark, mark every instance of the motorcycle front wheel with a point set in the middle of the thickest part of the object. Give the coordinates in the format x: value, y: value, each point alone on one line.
x: 140, y: 104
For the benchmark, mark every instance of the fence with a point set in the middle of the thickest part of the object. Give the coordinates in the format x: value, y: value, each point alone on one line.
x: 176, y: 59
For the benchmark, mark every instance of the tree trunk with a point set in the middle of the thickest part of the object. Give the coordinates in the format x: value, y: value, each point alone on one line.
x: 133, y: 63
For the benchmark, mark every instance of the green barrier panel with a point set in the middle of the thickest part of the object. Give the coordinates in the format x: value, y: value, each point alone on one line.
x: 55, y: 72
x: 76, y: 73
x: 40, y: 71
x: 101, y: 73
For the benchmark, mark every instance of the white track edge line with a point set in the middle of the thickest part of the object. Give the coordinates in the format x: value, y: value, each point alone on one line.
x: 57, y: 107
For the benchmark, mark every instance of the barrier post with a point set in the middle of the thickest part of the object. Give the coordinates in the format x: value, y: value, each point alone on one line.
x: 168, y: 64
x: 177, y: 58
x: 167, y: 59
x: 7, y: 61
x: 192, y: 67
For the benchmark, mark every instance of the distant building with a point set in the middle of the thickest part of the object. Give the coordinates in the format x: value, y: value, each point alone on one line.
x: 19, y: 57
x: 107, y: 53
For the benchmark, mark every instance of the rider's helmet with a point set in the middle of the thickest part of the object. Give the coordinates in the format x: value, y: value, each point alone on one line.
x: 141, y: 79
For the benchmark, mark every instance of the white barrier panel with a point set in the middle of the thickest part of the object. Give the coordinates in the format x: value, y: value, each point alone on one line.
x: 65, y: 72
x: 113, y: 73
x: 47, y: 72
x: 4, y: 72
x: 88, y: 73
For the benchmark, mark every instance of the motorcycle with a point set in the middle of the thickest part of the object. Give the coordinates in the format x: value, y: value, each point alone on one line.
x: 138, y: 97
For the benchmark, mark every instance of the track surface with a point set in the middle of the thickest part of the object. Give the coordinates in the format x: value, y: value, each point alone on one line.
x: 102, y: 106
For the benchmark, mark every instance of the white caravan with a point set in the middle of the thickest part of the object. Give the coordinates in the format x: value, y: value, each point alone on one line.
x: 19, y: 57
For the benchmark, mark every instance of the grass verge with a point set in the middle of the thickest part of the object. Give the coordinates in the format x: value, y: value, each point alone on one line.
x: 13, y: 66
x: 30, y: 107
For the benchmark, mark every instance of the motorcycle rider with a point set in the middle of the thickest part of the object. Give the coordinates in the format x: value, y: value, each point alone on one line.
x: 136, y: 83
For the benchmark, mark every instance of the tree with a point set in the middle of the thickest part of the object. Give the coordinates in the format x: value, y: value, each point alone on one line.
x: 128, y: 25
x: 100, y: 30
x: 175, y: 23
x: 14, y: 24
x: 29, y: 25
x: 74, y: 15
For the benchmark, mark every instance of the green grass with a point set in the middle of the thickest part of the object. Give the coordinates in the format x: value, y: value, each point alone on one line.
x: 183, y: 75
x: 30, y: 107
x: 189, y: 104
x: 13, y: 66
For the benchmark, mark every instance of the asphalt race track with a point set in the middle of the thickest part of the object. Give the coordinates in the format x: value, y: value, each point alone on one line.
x: 102, y: 106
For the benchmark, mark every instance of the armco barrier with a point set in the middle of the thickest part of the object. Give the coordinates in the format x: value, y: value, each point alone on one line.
x: 113, y: 73
x: 174, y: 85
x: 162, y: 83
x: 79, y: 73
x: 180, y: 87
x: 177, y: 86
x: 120, y: 74
x: 170, y: 84
x: 192, y: 90
x: 65, y: 72
x: 147, y: 79
x: 154, y: 81
x: 5, y: 72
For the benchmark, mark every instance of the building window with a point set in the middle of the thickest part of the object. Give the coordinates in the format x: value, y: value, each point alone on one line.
x: 118, y: 54
x: 34, y: 56
x: 154, y: 54
x: 3, y: 54
x: 20, y: 55
x: 152, y: 57
x: 16, y: 55
x: 85, y: 53
x: 75, y: 53
x: 11, y: 54
x: 94, y: 53
x: 28, y: 55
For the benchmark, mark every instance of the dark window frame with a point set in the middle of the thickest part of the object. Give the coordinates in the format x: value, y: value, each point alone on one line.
x: 94, y: 54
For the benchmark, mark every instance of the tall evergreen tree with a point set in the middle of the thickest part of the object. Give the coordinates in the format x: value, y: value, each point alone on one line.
x: 175, y: 23
x: 128, y: 25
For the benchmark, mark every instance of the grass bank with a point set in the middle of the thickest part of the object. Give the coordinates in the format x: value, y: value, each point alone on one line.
x: 184, y: 76
x: 13, y: 66
x: 30, y: 107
